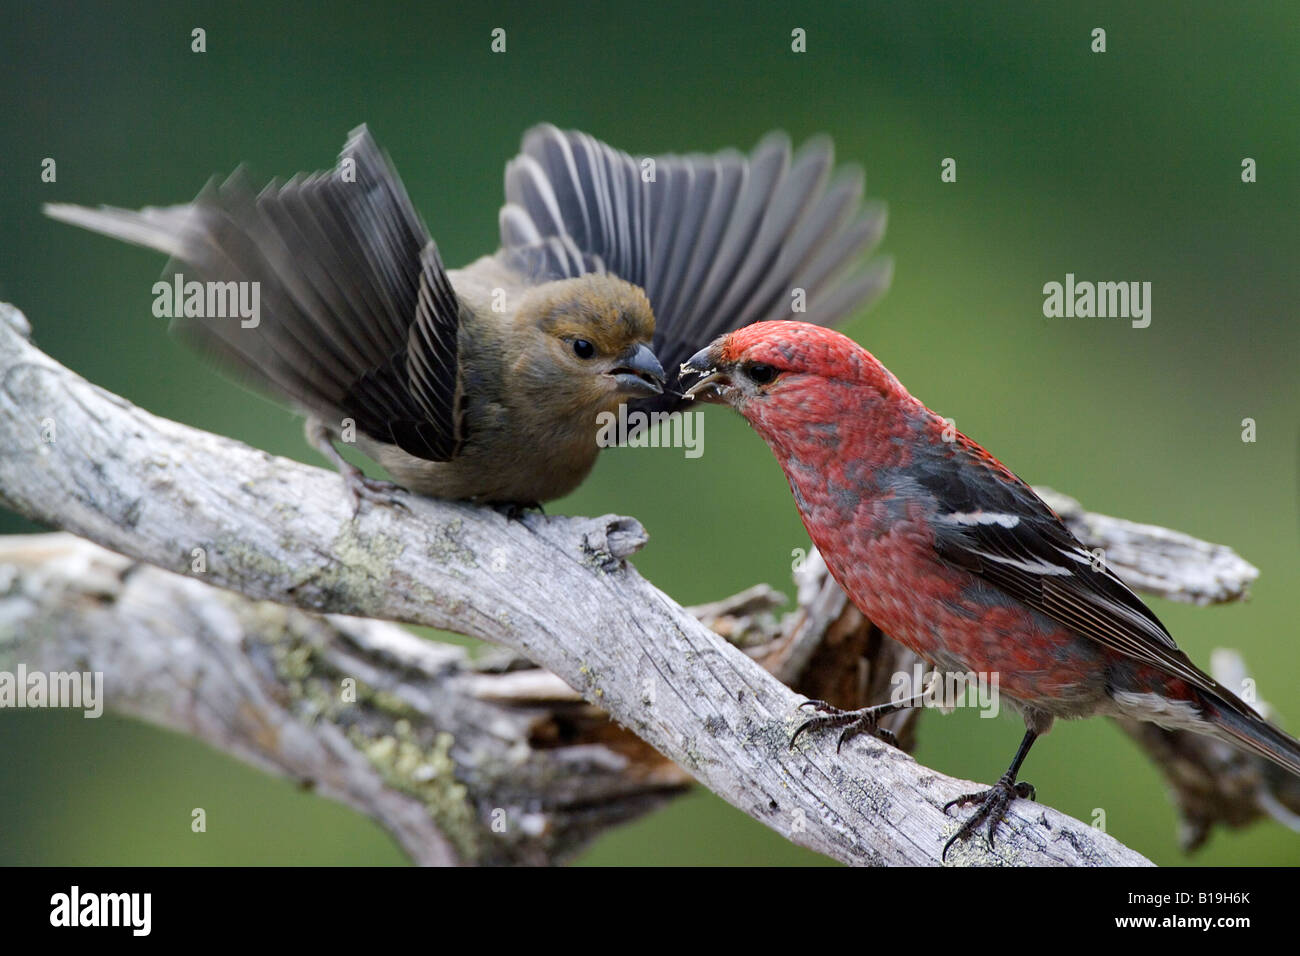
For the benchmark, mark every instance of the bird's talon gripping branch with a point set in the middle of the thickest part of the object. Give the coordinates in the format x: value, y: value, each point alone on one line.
x: 816, y: 705
x: 994, y: 802
x: 358, y: 485
x: 993, y: 806
x: 361, y: 487
x: 854, y: 722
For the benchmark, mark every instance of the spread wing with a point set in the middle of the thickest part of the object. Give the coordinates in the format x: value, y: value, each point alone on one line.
x: 716, y: 241
x: 992, y: 524
x: 357, y: 317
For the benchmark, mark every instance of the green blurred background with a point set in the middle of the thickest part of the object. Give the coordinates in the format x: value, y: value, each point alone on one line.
x: 1115, y: 166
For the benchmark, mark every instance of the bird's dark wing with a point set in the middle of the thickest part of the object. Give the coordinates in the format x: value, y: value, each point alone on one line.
x: 357, y: 318
x: 991, y: 523
x: 716, y: 241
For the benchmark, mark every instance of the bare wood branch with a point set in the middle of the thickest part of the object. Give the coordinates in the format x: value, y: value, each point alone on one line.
x: 1156, y: 560
x: 462, y: 764
x: 556, y: 590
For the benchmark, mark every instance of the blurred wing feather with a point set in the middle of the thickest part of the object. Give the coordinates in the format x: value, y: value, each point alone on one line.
x: 357, y: 317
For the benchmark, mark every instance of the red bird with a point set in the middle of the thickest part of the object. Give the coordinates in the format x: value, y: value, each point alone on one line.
x: 951, y: 554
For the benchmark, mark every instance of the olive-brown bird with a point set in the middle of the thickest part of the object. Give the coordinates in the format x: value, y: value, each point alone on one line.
x: 487, y: 383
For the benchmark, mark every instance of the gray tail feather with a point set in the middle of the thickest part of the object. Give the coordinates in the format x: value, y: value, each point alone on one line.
x: 337, y: 262
x: 169, y: 229
x: 1237, y: 723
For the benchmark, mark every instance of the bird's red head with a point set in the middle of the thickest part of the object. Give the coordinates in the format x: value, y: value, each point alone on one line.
x: 783, y: 362
x: 806, y: 389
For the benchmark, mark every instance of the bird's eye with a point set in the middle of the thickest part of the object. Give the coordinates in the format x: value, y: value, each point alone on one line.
x: 583, y: 349
x: 760, y: 373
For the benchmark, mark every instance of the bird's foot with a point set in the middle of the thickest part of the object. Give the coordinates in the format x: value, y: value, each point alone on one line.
x: 361, y: 486
x: 993, y: 804
x: 515, y: 510
x: 854, y: 722
x: 356, y: 483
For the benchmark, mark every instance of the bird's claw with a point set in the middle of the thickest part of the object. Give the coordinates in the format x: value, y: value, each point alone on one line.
x: 361, y: 486
x: 993, y: 805
x: 515, y: 510
x: 854, y: 722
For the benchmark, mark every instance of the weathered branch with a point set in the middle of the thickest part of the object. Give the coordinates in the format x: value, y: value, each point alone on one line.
x: 462, y: 762
x: 556, y: 590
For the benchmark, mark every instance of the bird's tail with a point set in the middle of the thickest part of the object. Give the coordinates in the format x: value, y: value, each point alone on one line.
x: 1239, y: 724
x: 335, y: 260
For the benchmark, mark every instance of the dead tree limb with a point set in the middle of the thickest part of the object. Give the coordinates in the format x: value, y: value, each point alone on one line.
x: 463, y: 762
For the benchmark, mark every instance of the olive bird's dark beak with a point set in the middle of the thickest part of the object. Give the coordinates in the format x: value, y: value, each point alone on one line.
x: 706, y: 389
x: 638, y: 372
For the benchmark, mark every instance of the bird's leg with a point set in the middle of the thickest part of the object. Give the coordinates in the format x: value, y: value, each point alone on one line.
x: 854, y: 722
x: 993, y: 803
x: 357, y: 484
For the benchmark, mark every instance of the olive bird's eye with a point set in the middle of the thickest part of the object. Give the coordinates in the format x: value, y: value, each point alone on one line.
x: 583, y: 349
x: 760, y: 373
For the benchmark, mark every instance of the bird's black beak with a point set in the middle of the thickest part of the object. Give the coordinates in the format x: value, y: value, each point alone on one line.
x: 707, y: 388
x: 638, y: 372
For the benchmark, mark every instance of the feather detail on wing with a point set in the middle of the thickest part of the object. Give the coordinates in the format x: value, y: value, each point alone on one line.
x: 717, y: 241
x: 358, y: 319
x: 992, y: 524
